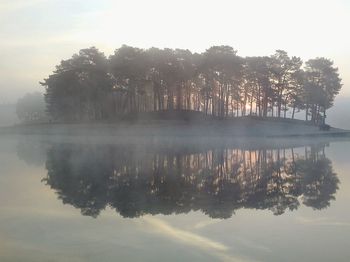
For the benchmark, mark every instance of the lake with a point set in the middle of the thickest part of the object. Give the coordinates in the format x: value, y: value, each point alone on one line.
x: 174, y: 199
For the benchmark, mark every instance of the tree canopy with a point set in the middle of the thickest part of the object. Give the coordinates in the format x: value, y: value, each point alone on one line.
x: 217, y: 82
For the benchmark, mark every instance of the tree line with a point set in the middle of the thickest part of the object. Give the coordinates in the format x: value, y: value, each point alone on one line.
x: 217, y: 82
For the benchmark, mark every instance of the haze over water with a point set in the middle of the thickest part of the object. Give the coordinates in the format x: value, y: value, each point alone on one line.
x: 65, y: 200
x: 142, y: 130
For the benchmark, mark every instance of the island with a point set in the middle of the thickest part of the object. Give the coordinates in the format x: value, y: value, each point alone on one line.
x: 174, y: 92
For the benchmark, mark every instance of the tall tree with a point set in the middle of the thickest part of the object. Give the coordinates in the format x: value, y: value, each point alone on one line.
x: 322, y: 84
x: 222, y: 69
x: 283, y: 71
x: 258, y: 74
x: 79, y: 87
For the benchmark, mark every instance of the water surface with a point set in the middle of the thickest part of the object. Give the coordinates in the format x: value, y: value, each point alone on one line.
x: 138, y: 199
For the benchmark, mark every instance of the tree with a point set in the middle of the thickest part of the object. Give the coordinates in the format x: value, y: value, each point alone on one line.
x: 258, y: 76
x: 284, y: 70
x: 79, y: 87
x: 31, y: 107
x: 222, y: 70
x: 322, y: 84
x: 129, y: 67
x: 217, y: 82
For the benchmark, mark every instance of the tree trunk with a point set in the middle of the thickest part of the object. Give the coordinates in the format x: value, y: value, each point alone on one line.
x: 293, y: 112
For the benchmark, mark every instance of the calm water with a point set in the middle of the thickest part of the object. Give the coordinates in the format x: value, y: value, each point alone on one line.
x: 173, y: 200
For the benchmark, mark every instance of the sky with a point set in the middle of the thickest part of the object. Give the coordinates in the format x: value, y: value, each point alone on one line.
x: 37, y: 34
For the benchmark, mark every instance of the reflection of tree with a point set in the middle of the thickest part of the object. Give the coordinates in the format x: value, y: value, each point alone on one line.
x: 217, y: 182
x: 319, y: 182
x: 80, y: 179
x: 31, y: 151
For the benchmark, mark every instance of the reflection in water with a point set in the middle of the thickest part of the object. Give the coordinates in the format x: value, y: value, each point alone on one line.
x: 31, y: 151
x: 219, y: 181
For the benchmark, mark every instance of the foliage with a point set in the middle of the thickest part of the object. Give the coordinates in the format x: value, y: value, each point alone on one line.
x: 79, y: 87
x: 217, y: 82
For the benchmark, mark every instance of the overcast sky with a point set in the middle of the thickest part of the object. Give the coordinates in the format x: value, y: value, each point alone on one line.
x: 36, y: 34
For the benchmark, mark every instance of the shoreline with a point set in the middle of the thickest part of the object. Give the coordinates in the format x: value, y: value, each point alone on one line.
x: 234, y: 128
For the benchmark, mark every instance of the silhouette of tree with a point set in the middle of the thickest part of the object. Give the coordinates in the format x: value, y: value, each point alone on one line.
x: 217, y: 82
x: 129, y: 67
x: 258, y: 71
x: 79, y: 87
x: 223, y: 72
x: 322, y: 84
x: 284, y: 71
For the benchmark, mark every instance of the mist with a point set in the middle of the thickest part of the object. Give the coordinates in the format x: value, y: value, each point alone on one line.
x: 8, y: 115
x: 157, y: 130
x: 339, y: 114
